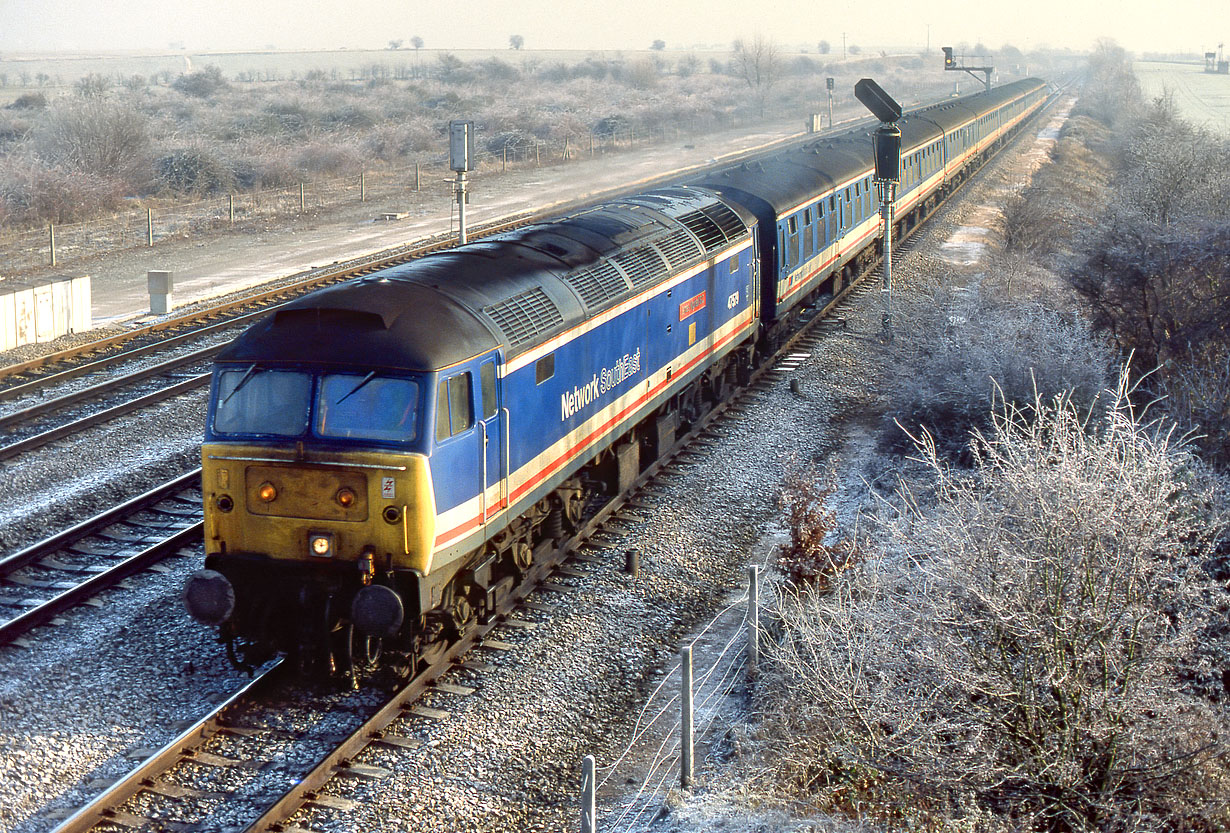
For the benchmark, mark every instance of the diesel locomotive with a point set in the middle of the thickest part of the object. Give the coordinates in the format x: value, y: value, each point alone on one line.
x: 385, y: 459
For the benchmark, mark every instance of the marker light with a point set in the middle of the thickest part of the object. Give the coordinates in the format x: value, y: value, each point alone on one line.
x: 267, y: 492
x: 345, y: 497
x: 320, y: 544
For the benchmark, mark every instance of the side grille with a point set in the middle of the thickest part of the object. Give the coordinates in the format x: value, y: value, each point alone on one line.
x: 706, y: 230
x: 597, y: 283
x: 642, y: 266
x: 679, y: 248
x: 524, y: 316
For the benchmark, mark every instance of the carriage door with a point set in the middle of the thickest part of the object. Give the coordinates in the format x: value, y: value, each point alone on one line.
x: 493, y: 419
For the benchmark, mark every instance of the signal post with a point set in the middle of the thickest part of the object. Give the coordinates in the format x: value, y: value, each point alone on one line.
x: 886, y: 143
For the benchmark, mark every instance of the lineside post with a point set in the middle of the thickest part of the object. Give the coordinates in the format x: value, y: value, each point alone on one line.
x: 753, y: 620
x: 685, y: 723
x: 589, y: 802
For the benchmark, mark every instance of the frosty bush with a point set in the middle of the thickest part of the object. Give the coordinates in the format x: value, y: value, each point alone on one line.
x: 976, y: 349
x: 1020, y: 644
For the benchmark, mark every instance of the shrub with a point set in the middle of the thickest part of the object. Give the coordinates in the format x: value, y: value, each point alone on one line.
x: 981, y: 350
x: 1023, y: 643
x: 29, y: 101
x: 202, y: 84
x: 194, y: 170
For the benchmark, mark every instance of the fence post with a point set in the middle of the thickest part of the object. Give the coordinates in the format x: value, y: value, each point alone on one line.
x: 362, y: 186
x: 504, y: 163
x: 230, y: 208
x: 537, y: 158
x: 589, y: 804
x: 685, y: 722
x: 416, y: 176
x: 301, y: 204
x: 753, y: 620
x: 591, y: 145
x: 149, y: 227
x: 51, y: 238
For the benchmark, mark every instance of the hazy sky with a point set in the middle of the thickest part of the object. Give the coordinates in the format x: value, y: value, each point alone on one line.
x: 219, y: 25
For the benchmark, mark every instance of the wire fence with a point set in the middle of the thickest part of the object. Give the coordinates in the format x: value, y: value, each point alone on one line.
x: 653, y: 756
x: 420, y: 183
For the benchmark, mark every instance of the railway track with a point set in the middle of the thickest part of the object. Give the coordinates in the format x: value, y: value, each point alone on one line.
x: 44, y: 580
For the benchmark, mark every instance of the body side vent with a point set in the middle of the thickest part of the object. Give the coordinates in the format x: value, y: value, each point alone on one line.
x: 703, y: 226
x: 679, y: 249
x: 597, y: 283
x: 642, y: 266
x: 728, y: 221
x: 524, y: 316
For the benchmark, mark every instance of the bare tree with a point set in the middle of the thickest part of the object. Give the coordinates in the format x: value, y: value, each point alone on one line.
x: 658, y: 45
x: 758, y: 62
x: 824, y: 47
x: 516, y: 41
x: 1028, y: 640
x: 416, y: 42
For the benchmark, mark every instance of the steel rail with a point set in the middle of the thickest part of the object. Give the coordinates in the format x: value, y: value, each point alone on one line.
x: 135, y: 563
x: 105, y: 806
x: 7, y: 421
x: 104, y: 519
x: 51, y: 435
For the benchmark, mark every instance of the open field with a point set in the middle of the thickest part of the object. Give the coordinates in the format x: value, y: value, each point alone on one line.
x: 58, y: 72
x: 1202, y: 98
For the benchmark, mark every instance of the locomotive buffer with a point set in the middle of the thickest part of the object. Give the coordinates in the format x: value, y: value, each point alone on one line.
x: 886, y: 144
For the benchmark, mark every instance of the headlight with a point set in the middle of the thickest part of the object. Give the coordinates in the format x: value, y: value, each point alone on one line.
x: 345, y: 497
x: 320, y: 544
x: 267, y: 492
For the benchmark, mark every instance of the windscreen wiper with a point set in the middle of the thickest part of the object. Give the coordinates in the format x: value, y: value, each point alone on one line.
x: 355, y: 389
x: 247, y: 374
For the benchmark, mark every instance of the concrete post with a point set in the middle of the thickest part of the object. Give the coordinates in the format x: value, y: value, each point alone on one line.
x: 685, y: 723
x: 160, y: 285
x: 589, y: 804
x: 753, y: 620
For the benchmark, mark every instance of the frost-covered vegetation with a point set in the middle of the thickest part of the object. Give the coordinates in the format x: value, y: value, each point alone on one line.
x: 111, y: 139
x: 1036, y: 642
x: 1032, y: 631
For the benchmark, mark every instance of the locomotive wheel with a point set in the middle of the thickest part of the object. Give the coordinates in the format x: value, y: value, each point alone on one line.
x: 522, y: 555
x: 462, y: 612
x: 367, y: 650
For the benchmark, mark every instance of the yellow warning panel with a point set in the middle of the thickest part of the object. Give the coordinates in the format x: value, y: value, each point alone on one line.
x: 691, y: 333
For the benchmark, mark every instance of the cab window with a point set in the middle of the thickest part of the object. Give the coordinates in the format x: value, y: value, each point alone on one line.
x: 454, y: 413
x: 486, y: 378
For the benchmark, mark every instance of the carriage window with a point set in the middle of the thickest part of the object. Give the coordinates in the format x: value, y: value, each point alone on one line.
x: 545, y: 369
x: 794, y: 225
x: 807, y: 217
x: 733, y: 263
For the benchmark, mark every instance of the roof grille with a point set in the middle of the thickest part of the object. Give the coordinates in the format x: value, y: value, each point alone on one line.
x: 726, y: 219
x: 642, y: 265
x: 703, y: 226
x: 679, y: 248
x: 597, y: 283
x: 524, y: 316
